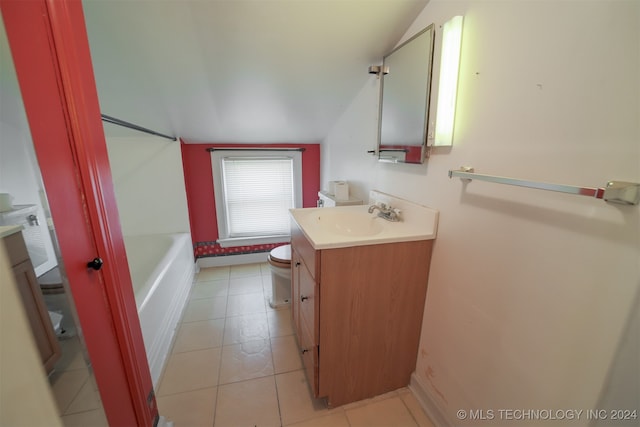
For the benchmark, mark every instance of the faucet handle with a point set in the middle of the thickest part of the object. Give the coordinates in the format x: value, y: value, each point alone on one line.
x: 396, y: 213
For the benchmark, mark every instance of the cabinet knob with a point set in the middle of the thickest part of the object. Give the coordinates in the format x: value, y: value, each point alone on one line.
x: 303, y: 298
x: 304, y: 350
x: 297, y: 264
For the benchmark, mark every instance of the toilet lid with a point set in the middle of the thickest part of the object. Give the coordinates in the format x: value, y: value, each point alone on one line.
x: 281, y: 254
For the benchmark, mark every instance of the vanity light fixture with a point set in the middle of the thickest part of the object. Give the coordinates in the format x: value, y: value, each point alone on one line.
x: 449, y: 66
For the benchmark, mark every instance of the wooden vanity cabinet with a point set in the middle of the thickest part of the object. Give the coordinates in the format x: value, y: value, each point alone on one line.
x: 33, y: 301
x: 357, y: 313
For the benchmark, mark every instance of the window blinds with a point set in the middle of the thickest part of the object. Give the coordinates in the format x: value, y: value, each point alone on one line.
x: 258, y: 194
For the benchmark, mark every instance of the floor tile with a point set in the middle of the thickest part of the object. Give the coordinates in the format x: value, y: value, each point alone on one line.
x: 265, y: 270
x: 384, y: 413
x: 336, y: 419
x: 215, y: 288
x: 95, y: 418
x: 66, y: 385
x: 245, y: 304
x: 248, y: 403
x: 191, y: 408
x: 245, y: 328
x: 235, y: 362
x: 213, y: 273
x: 72, y: 355
x: 280, y: 322
x: 286, y: 356
x: 87, y: 399
x: 244, y: 270
x: 246, y: 361
x: 416, y: 410
x: 205, y: 309
x: 266, y: 281
x: 245, y: 285
x: 199, y: 335
x: 189, y: 371
x: 296, y: 402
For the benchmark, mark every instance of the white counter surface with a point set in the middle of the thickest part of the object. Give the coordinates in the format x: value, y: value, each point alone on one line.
x: 417, y: 224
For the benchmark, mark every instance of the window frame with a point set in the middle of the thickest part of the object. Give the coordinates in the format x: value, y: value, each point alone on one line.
x: 217, y: 156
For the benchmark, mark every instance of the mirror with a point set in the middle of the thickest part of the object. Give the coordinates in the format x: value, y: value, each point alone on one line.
x: 404, y: 100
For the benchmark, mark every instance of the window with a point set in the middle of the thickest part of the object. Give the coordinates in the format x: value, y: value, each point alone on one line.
x: 254, y: 191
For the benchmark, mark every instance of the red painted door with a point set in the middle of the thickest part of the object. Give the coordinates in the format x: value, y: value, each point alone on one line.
x: 51, y: 54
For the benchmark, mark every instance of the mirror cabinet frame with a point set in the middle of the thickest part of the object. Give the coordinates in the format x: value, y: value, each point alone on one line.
x: 410, y: 152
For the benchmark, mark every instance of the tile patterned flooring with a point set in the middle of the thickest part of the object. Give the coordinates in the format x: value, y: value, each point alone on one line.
x: 235, y: 362
x: 73, y: 385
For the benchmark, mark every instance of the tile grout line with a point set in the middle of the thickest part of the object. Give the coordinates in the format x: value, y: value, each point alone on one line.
x: 409, y: 410
x: 224, y: 327
x: 273, y: 361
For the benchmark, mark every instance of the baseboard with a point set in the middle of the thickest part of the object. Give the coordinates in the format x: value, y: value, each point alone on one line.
x: 221, y: 261
x: 427, y: 402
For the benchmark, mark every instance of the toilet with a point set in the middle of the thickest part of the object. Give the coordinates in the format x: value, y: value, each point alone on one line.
x: 280, y: 265
x: 51, y: 282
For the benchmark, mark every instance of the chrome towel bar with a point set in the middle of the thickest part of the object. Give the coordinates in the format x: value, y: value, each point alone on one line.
x: 626, y: 193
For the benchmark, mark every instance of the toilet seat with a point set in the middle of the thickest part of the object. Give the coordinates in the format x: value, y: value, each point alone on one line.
x: 280, y: 256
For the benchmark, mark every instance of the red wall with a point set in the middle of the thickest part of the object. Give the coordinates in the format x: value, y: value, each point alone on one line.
x: 198, y: 177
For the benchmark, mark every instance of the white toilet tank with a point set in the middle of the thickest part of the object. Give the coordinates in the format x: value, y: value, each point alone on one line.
x: 329, y: 201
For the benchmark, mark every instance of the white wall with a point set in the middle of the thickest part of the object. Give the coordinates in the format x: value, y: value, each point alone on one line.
x: 149, y: 184
x: 530, y: 291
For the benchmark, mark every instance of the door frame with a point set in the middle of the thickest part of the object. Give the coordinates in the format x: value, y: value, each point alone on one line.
x: 50, y: 49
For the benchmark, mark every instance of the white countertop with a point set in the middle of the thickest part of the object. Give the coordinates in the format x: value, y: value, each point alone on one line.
x: 418, y: 224
x: 7, y: 230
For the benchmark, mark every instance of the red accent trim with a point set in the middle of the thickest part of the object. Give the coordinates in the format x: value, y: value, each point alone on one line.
x: 54, y: 69
x: 413, y: 154
x: 198, y: 176
x: 203, y: 249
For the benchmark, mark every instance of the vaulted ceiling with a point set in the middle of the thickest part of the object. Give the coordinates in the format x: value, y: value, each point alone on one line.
x: 238, y: 70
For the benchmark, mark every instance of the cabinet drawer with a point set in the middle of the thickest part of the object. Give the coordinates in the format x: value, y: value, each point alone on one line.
x: 309, y: 255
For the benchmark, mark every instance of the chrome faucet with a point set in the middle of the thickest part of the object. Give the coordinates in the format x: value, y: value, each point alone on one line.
x: 386, y: 212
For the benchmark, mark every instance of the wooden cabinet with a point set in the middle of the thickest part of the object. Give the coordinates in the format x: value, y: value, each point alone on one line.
x: 29, y: 289
x: 357, y: 313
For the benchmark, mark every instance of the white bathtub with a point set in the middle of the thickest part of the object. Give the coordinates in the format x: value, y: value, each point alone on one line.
x: 162, y: 270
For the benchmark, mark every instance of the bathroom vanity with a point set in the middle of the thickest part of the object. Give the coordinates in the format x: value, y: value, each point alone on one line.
x: 29, y: 290
x: 358, y: 292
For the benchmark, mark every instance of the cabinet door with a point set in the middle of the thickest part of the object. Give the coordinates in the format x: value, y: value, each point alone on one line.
x: 37, y: 314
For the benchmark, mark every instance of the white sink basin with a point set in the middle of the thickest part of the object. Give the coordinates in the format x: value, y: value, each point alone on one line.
x: 346, y: 226
x: 348, y: 223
